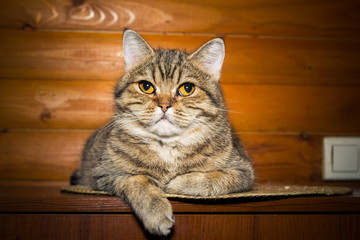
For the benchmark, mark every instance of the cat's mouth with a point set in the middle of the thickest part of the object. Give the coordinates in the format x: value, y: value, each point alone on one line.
x: 164, y: 118
x: 164, y: 126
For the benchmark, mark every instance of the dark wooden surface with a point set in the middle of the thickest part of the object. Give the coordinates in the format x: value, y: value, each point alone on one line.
x: 200, y: 227
x: 40, y: 211
x: 41, y: 199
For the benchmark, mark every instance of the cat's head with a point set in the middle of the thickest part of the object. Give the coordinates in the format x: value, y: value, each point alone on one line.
x: 168, y: 93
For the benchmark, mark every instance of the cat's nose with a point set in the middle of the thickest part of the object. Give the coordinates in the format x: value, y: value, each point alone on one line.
x: 164, y: 106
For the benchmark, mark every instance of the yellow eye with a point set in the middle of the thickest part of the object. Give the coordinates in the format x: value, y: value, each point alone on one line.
x: 146, y: 87
x: 186, y: 89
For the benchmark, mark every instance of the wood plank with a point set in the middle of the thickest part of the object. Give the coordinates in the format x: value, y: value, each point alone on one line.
x: 285, y: 157
x: 43, y: 155
x: 227, y: 226
x: 54, y: 155
x: 60, y: 55
x: 88, y: 104
x: 39, y: 199
x: 98, y: 56
x: 291, y: 62
x: 313, y: 18
x: 70, y: 226
x: 312, y: 227
x: 55, y: 104
x: 293, y: 108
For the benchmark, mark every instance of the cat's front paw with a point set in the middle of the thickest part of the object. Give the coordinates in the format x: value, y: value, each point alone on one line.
x: 197, y: 184
x: 176, y: 185
x: 159, y: 219
x: 188, y: 184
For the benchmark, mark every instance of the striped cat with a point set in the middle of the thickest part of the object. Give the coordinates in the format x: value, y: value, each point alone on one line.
x: 170, y: 133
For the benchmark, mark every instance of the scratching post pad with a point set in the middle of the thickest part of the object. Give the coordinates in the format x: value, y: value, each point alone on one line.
x: 258, y: 191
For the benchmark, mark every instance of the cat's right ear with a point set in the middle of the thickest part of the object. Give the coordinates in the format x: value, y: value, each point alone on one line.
x: 135, y: 49
x: 210, y: 57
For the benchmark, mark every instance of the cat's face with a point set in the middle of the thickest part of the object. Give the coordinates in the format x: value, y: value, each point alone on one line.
x: 169, y: 93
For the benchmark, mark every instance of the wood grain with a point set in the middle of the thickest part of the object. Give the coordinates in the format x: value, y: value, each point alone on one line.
x: 285, y: 157
x: 70, y: 226
x: 109, y: 226
x: 88, y: 104
x: 315, y: 18
x: 98, y: 56
x: 54, y: 155
x: 40, y: 155
x: 293, y: 108
x: 55, y: 104
x: 26, y: 198
x: 59, y: 55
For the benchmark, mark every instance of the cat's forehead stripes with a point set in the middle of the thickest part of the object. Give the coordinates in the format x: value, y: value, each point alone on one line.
x: 166, y: 64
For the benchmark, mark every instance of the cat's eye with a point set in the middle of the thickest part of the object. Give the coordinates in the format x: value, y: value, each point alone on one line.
x: 186, y: 89
x: 146, y: 87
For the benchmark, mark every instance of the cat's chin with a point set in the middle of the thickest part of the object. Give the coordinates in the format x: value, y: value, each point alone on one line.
x: 165, y: 128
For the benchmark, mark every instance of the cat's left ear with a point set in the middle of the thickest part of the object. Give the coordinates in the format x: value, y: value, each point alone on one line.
x: 210, y: 57
x: 135, y: 49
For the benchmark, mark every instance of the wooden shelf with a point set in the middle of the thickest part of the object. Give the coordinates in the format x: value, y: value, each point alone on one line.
x: 38, y: 210
x: 15, y: 198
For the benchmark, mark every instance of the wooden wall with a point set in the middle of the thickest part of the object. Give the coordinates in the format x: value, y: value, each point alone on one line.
x: 291, y: 75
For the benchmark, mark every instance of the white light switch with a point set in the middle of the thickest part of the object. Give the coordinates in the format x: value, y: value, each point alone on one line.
x: 341, y: 158
x: 345, y: 158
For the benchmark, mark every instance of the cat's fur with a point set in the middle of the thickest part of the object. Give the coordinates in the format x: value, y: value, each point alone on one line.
x: 164, y: 142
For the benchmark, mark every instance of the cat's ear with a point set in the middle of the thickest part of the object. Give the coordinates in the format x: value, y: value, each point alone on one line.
x: 135, y: 49
x: 210, y: 57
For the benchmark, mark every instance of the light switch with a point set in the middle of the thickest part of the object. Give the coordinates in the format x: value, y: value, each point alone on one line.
x: 345, y: 158
x: 341, y: 158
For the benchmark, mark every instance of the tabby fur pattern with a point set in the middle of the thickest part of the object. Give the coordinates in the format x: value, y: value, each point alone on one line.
x: 170, y: 133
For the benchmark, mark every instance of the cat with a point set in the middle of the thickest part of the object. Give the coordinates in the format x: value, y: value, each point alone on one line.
x: 170, y: 133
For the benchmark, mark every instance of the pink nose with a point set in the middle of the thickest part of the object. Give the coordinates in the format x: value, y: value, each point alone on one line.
x: 164, y: 106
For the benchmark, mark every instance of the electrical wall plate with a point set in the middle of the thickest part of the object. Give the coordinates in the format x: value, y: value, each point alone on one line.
x: 341, y: 158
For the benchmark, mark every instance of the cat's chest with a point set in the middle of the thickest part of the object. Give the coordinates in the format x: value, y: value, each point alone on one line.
x: 166, y: 153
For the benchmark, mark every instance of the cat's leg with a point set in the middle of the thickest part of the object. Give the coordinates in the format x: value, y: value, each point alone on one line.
x: 148, y: 202
x: 212, y: 183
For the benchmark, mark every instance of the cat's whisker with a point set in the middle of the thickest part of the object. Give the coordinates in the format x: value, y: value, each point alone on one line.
x: 105, y: 117
x: 187, y: 119
x: 226, y: 110
x: 103, y: 130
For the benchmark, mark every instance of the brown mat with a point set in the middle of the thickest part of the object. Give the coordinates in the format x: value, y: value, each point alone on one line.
x: 258, y: 191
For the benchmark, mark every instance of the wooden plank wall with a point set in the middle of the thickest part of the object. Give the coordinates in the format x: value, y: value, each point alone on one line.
x: 291, y: 75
